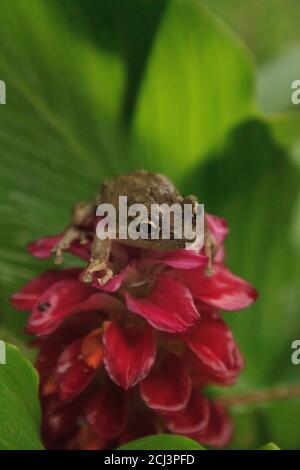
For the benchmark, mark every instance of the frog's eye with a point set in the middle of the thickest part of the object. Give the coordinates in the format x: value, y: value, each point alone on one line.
x: 147, y: 227
x: 194, y: 208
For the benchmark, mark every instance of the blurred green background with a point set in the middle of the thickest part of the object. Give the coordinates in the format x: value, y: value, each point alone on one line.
x: 200, y: 90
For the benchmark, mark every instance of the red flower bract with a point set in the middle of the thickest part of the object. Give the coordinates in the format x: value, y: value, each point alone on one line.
x: 132, y: 357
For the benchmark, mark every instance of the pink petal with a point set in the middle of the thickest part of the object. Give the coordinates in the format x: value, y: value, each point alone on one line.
x: 42, y: 248
x: 218, y: 227
x: 222, y: 289
x: 112, y: 285
x: 129, y: 353
x: 168, y: 307
x: 213, y: 344
x: 220, y: 255
x: 107, y: 411
x: 219, y: 429
x: 167, y: 388
x: 193, y: 419
x: 26, y: 298
x: 82, y: 250
x: 63, y: 299
x: 181, y: 259
x: 72, y: 372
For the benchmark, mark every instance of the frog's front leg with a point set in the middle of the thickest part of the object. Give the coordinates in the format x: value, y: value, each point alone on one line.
x: 82, y: 214
x: 98, y: 262
x: 71, y: 234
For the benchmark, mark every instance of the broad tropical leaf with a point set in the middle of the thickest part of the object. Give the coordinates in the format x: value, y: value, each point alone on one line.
x: 198, y: 84
x: 19, y: 411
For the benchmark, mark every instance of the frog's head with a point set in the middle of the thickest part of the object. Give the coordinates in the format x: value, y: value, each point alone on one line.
x: 166, y: 226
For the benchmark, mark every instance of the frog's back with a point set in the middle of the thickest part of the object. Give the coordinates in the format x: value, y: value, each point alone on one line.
x: 139, y: 186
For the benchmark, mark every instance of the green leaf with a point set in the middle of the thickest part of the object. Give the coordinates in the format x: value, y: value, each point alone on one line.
x: 285, y: 128
x: 281, y: 422
x: 286, y: 131
x: 19, y: 411
x: 126, y: 29
x: 162, y: 442
x: 199, y: 83
x: 276, y: 23
x: 270, y: 446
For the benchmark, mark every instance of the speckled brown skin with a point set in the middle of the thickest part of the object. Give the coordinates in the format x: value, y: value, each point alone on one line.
x: 144, y: 188
x: 139, y: 187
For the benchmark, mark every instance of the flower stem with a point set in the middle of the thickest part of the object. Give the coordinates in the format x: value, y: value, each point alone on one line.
x: 257, y: 396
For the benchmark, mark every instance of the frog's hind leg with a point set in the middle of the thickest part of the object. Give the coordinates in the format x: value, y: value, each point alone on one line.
x: 210, y: 249
x: 98, y: 261
x: 81, y: 219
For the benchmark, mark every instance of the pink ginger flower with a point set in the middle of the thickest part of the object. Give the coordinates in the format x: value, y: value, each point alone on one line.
x: 133, y: 357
